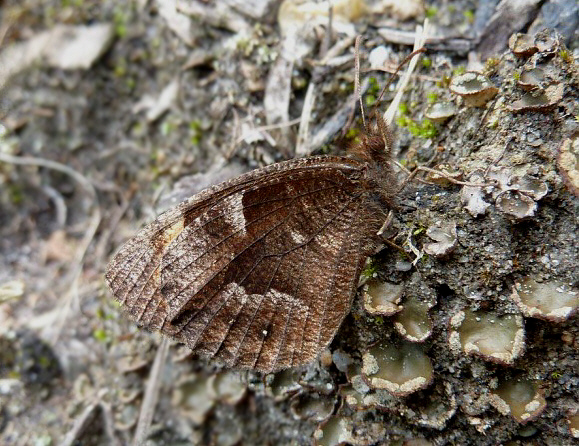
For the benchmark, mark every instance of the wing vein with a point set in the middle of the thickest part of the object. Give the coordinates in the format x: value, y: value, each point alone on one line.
x: 136, y: 282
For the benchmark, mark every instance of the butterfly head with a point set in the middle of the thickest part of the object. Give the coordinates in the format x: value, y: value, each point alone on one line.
x: 374, y: 144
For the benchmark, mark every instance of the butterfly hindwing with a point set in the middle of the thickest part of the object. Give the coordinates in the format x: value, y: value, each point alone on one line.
x: 229, y: 271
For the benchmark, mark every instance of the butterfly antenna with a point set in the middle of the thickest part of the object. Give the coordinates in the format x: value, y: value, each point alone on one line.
x: 398, y: 68
x: 357, y: 78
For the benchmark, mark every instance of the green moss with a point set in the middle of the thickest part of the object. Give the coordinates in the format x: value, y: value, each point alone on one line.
x: 74, y: 3
x: 431, y: 11
x: 325, y: 149
x: 458, y: 71
x: 516, y: 75
x: 565, y: 55
x: 469, y: 16
x: 15, y: 194
x: 432, y: 97
x: 370, y: 100
x: 167, y: 127
x: 403, y: 108
x: 373, y: 92
x: 426, y: 62
x: 120, y: 22
x: 370, y: 270
x: 418, y: 231
x: 403, y: 121
x: 44, y: 362
x: 374, y: 87
x: 120, y: 69
x: 14, y: 374
x: 196, y: 132
x: 444, y: 82
x: 424, y: 129
x: 101, y: 335
x: 491, y: 64
x: 131, y: 83
x: 352, y: 133
x: 346, y: 87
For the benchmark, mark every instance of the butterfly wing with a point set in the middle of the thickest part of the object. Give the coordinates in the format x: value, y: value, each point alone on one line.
x: 258, y: 271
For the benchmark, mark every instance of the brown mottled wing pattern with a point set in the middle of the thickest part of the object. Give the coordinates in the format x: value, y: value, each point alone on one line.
x: 259, y: 271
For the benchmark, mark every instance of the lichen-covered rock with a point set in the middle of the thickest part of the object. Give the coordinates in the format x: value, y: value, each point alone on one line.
x: 494, y: 337
x: 382, y: 297
x: 553, y: 300
x: 568, y: 161
x: 400, y: 369
x: 474, y: 88
x: 413, y: 322
x: 521, y: 398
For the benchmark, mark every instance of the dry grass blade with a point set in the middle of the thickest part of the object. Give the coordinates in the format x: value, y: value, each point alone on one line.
x: 421, y: 33
x: 151, y: 394
x: 86, y: 420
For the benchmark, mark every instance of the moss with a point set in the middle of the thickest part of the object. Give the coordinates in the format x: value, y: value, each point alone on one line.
x: 469, y: 16
x: 565, y: 55
x: 371, y: 269
x: 370, y: 100
x: 372, y: 93
x: 352, y: 133
x: 491, y: 65
x: 352, y: 138
x: 196, y: 132
x: 459, y: 70
x: 431, y: 97
x: 325, y: 149
x: 44, y: 362
x: 120, y: 21
x: 444, y: 82
x: 346, y: 87
x: 120, y: 69
x: 74, y: 3
x: 424, y: 129
x: 14, y: 374
x: 100, y: 313
x: 167, y: 127
x: 101, y: 335
x: 15, y: 194
x: 431, y: 11
x: 403, y: 108
x: 419, y: 231
x: 131, y: 83
x: 403, y: 121
x: 426, y: 62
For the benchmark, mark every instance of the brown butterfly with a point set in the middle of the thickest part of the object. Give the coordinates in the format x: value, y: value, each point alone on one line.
x: 260, y: 271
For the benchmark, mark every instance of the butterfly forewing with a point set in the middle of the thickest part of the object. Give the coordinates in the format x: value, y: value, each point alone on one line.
x: 258, y: 271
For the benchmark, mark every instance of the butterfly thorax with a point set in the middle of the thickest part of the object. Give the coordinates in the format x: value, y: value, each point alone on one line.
x: 374, y: 149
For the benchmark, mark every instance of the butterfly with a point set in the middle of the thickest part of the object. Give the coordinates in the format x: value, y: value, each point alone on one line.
x: 258, y: 272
